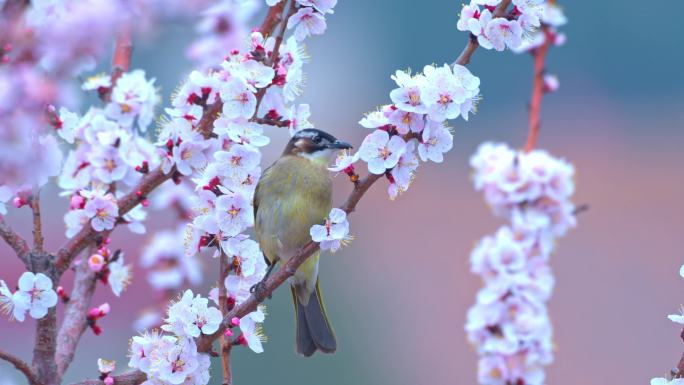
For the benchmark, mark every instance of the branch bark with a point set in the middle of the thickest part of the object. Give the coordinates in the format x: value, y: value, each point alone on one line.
x: 538, y: 91
x: 121, y: 60
x: 15, y: 241
x: 21, y: 366
x: 37, y: 223
x: 273, y: 17
x: 45, y: 346
x: 75, y: 320
x: 223, y: 302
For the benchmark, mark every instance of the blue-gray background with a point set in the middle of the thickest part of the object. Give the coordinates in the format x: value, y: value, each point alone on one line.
x: 398, y: 295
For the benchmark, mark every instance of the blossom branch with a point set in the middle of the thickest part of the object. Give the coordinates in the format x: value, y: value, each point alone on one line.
x: 37, y: 223
x: 21, y: 366
x: 15, y: 241
x: 155, y: 178
x: 471, y: 47
x: 538, y: 91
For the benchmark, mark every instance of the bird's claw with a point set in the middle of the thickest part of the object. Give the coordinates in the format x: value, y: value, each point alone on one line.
x: 258, y: 291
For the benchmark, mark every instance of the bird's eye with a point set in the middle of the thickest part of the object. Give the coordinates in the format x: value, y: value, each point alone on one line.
x: 317, y: 139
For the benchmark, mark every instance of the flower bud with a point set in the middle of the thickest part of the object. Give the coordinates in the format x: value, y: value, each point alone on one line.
x: 96, y: 262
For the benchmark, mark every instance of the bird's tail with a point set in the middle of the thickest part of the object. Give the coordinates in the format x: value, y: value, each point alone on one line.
x: 314, y: 331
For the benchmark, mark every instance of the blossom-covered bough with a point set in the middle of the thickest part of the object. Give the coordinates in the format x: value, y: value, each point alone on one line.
x: 209, y: 144
x: 509, y: 324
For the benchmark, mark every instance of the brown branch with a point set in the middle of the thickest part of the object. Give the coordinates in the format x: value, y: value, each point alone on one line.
x: 75, y: 317
x: 538, y: 91
x: 132, y: 377
x: 15, y: 241
x: 272, y: 19
x: 223, y: 302
x: 281, y: 34
x: 121, y: 60
x: 37, y: 223
x: 471, y: 47
x: 21, y: 366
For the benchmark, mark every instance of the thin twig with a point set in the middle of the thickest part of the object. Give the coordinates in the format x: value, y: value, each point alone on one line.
x: 37, y: 223
x: 15, y: 241
x: 539, y: 55
x: 21, y: 366
x: 273, y: 58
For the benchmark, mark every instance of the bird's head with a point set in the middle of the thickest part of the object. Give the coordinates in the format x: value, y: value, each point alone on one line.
x: 315, y: 145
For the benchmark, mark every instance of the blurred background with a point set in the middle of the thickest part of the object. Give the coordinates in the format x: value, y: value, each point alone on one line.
x: 398, y: 295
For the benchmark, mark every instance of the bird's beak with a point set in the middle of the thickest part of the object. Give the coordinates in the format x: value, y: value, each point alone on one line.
x: 340, y: 145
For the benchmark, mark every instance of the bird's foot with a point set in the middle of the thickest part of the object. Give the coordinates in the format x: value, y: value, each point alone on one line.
x: 258, y: 290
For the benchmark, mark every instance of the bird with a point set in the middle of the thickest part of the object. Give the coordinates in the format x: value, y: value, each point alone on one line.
x: 293, y: 194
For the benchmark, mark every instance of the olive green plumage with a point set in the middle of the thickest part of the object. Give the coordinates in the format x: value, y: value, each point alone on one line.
x: 292, y: 195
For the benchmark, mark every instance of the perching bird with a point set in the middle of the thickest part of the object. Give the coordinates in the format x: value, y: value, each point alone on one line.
x: 292, y: 195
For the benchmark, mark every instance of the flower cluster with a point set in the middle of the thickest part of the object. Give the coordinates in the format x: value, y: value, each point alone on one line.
x: 517, y: 29
x: 509, y: 323
x: 414, y: 126
x: 111, y: 155
x: 34, y: 295
x: 334, y: 233
x: 173, y: 359
x: 310, y: 18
